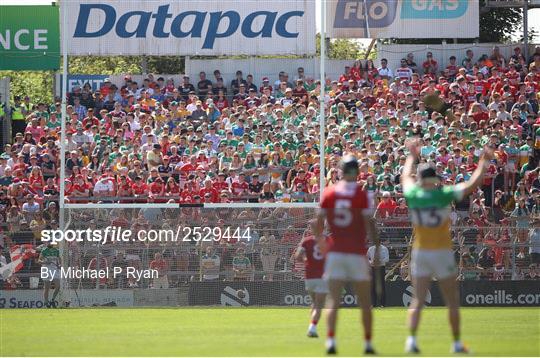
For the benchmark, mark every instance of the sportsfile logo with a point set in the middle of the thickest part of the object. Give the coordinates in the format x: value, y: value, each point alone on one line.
x: 97, y: 20
x: 382, y: 13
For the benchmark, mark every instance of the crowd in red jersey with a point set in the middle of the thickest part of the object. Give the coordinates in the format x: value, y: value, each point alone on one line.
x: 256, y: 140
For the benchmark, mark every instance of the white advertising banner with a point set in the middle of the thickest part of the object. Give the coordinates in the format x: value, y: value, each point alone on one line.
x: 403, y: 19
x: 79, y: 298
x: 190, y: 28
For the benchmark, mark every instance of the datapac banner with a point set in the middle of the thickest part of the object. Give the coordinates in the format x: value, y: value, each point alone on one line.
x: 195, y: 27
x: 403, y: 19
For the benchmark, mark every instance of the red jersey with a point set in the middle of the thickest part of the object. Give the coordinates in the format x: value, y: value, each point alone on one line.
x: 345, y: 203
x: 139, y: 188
x: 299, y: 181
x: 155, y: 188
x: 481, y: 86
x: 212, y: 191
x: 239, y: 188
x: 314, y: 258
x: 356, y: 73
x: 172, y: 190
x: 220, y: 186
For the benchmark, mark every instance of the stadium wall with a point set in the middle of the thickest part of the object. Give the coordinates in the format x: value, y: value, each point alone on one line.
x: 441, y: 53
x: 260, y: 68
x: 275, y: 293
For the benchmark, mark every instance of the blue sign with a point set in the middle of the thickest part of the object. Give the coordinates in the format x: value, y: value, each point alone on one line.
x: 95, y: 81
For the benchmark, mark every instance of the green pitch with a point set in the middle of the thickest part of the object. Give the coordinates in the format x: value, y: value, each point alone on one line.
x: 253, y: 332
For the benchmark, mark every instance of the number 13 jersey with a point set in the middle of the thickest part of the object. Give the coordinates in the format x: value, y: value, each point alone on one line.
x: 430, y: 215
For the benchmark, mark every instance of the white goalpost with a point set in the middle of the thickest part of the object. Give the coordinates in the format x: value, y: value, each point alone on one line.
x: 269, y: 223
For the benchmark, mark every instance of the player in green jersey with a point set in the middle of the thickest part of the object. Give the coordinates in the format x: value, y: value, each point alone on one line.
x: 49, y: 258
x: 432, y: 257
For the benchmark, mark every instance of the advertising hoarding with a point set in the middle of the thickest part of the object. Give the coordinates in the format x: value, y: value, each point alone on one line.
x: 29, y: 38
x: 403, y: 19
x: 200, y: 27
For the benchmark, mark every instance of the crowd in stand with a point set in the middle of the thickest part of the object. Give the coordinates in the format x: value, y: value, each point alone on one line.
x: 257, y: 140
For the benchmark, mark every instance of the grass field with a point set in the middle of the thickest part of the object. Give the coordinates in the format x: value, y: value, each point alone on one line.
x: 253, y: 332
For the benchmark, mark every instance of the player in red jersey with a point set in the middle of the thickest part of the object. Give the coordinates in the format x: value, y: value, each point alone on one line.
x: 349, y: 213
x: 309, y: 252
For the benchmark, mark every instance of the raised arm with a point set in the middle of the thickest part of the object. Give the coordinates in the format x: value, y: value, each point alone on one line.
x: 407, y: 178
x: 478, y: 175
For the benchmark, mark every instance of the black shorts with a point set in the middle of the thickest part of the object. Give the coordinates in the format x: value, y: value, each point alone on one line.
x: 535, y: 258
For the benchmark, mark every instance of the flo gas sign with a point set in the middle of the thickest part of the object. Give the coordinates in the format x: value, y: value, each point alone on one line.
x: 197, y: 27
x: 403, y: 18
x: 29, y: 38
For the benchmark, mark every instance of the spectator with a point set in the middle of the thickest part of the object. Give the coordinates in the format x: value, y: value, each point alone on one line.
x: 430, y: 65
x: 203, y: 85
x: 386, y: 207
x: 268, y: 255
x: 385, y: 73
x: 404, y: 72
x: 235, y: 84
x: 210, y: 265
x: 269, y: 138
x: 378, y: 273
x: 241, y: 266
x: 534, y: 242
x: 521, y: 216
x: 162, y: 267
x: 410, y: 62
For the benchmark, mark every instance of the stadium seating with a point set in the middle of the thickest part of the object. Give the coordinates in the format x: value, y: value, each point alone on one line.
x: 245, y: 142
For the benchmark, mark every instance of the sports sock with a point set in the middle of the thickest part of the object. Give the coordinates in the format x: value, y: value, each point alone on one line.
x: 367, y: 337
x: 330, y: 334
x: 411, y: 340
x: 330, y: 342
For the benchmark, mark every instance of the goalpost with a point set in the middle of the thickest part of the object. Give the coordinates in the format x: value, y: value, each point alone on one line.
x: 274, y: 228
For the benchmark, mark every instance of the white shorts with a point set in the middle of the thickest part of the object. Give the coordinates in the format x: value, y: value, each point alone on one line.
x: 316, y: 285
x: 346, y: 267
x: 53, y: 274
x: 439, y: 264
x: 161, y: 282
x: 510, y: 167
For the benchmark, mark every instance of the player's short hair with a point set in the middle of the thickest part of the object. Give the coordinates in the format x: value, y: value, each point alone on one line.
x: 349, y: 165
x: 427, y: 171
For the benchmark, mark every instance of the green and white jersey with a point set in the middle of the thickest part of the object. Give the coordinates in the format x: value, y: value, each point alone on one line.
x: 241, y: 262
x: 430, y: 215
x: 51, y: 257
